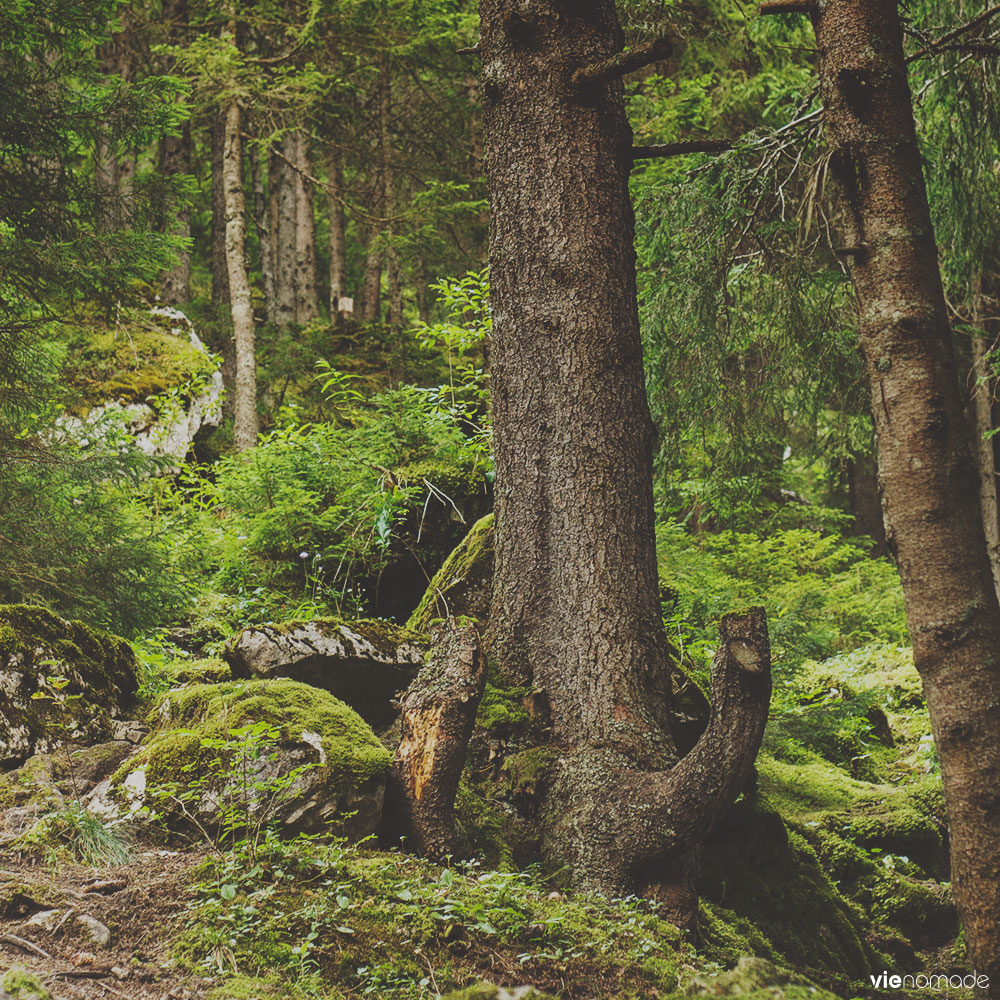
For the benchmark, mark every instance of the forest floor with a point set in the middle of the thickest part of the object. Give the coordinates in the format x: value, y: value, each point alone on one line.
x: 139, y: 902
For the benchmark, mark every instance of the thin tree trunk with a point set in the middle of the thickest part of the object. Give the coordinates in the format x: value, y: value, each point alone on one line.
x: 986, y: 424
x: 220, y: 267
x: 285, y: 245
x: 262, y: 221
x: 338, y: 235
x: 241, y: 305
x: 931, y: 496
x: 575, y: 608
x: 420, y: 280
x: 394, y: 268
x: 108, y: 214
x: 865, y: 500
x: 175, y: 160
x: 371, y: 290
x: 306, y: 303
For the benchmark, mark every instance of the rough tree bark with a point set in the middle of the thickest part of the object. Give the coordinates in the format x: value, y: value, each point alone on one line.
x: 438, y: 715
x: 338, y: 228
x: 929, y: 483
x: 306, y: 303
x: 575, y: 609
x: 241, y: 306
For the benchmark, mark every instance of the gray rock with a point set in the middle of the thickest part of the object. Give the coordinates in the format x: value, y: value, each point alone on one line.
x: 98, y: 679
x: 93, y: 930
x: 364, y: 663
x: 48, y: 920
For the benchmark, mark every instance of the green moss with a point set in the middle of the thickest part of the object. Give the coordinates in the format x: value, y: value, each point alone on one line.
x: 130, y: 365
x: 210, y: 670
x: 252, y: 988
x: 187, y: 716
x: 105, y: 657
x: 100, y: 670
x: 462, y: 585
x: 21, y: 985
x: 526, y: 771
x: 484, y: 991
x: 457, y: 481
x: 766, y: 873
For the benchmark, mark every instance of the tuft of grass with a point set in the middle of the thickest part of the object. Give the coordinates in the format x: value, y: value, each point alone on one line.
x: 73, y: 830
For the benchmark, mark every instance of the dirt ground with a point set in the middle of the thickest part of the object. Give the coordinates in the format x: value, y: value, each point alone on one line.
x: 135, y: 902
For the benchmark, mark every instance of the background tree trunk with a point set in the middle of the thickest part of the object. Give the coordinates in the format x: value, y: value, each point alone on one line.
x: 220, y: 266
x: 986, y: 421
x: 931, y: 496
x: 306, y: 303
x: 175, y: 160
x: 575, y: 608
x: 262, y: 221
x: 338, y: 234
x: 285, y: 241
x: 245, y: 405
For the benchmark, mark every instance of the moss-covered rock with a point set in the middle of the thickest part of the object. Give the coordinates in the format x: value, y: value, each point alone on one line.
x: 461, y: 588
x: 364, y: 663
x: 760, y: 979
x: 206, y: 670
x: 758, y: 869
x: 153, y: 374
x: 316, y: 764
x: 486, y: 991
x: 60, y: 682
x: 17, y: 984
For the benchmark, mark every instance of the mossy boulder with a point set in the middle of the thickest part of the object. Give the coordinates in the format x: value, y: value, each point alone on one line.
x: 486, y: 991
x: 316, y: 764
x: 461, y: 588
x: 153, y: 374
x: 17, y: 984
x: 364, y: 663
x: 757, y: 978
x: 60, y: 682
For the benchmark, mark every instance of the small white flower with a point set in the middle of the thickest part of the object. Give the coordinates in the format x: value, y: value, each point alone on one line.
x: 303, y: 555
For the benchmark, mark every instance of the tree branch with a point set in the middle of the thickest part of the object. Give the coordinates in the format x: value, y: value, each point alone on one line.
x: 787, y: 7
x: 681, y: 148
x: 949, y: 36
x: 438, y: 714
x: 624, y: 62
x: 681, y: 806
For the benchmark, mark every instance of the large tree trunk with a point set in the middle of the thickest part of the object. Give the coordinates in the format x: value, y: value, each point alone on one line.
x: 930, y: 489
x: 220, y: 266
x: 338, y: 236
x: 245, y: 404
x: 306, y: 303
x: 575, y: 610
